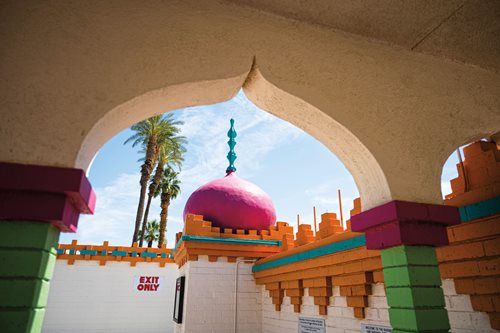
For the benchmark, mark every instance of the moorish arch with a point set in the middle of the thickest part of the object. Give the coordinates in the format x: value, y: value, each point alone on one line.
x: 366, y: 172
x: 407, y: 109
x: 391, y: 104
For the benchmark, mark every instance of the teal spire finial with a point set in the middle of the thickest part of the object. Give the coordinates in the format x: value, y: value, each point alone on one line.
x: 231, y: 156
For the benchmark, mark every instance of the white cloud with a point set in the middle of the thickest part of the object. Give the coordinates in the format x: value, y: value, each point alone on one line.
x: 114, y: 215
x: 206, y: 129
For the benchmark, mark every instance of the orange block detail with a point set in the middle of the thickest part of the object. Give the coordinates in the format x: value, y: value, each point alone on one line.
x: 359, y: 313
x: 353, y: 279
x: 357, y: 301
x: 305, y: 235
x: 329, y: 225
x: 482, y: 169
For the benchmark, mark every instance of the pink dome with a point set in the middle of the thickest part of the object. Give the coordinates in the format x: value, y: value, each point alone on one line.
x: 232, y: 202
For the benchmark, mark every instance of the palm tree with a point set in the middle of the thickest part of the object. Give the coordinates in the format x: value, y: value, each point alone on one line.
x: 171, y: 151
x: 169, y: 189
x: 148, y: 133
x: 151, y: 233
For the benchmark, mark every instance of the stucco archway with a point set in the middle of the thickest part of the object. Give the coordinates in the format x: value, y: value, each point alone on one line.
x: 364, y: 168
x: 408, y: 109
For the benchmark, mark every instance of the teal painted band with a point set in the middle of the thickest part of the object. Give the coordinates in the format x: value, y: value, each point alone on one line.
x: 119, y: 253
x: 232, y: 240
x: 88, y: 252
x: 60, y: 251
x: 72, y: 251
x: 480, y: 209
x: 226, y: 241
x: 314, y: 253
x: 148, y: 254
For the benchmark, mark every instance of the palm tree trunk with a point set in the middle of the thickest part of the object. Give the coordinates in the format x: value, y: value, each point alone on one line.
x: 145, y: 220
x: 152, y: 189
x: 150, y: 243
x: 146, y: 170
x: 165, y: 203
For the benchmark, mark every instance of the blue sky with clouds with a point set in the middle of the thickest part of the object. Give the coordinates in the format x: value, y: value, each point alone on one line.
x: 296, y: 170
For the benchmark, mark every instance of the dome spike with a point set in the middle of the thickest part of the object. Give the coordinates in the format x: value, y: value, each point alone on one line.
x: 231, y: 156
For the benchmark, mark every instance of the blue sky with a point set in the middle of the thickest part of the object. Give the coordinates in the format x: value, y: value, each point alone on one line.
x: 296, y: 170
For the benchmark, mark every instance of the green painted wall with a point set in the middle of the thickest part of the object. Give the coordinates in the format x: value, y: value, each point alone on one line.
x: 413, y: 288
x: 27, y: 258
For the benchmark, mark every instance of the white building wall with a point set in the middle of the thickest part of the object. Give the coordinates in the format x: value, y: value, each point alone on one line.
x: 463, y: 318
x: 209, y: 298
x: 86, y: 297
x: 340, y: 318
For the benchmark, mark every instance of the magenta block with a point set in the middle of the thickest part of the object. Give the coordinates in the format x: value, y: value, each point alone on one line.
x: 405, y: 223
x: 43, y: 193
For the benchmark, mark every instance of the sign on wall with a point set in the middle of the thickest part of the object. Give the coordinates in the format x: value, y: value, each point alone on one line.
x: 311, y: 325
x: 369, y: 328
x: 148, y: 283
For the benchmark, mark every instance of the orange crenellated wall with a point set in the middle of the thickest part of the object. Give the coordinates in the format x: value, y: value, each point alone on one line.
x: 133, y: 253
x: 482, y: 172
x: 472, y: 259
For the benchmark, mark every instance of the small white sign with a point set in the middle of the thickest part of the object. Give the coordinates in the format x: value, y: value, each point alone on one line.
x: 148, y: 283
x: 369, y: 328
x: 311, y: 325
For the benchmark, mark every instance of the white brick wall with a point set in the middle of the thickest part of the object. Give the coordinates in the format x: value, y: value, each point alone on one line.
x: 86, y: 297
x: 209, y: 298
x: 463, y: 319
x: 340, y: 318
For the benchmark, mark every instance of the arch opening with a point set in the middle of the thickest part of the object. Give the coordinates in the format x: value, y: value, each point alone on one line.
x: 367, y: 173
x: 470, y: 173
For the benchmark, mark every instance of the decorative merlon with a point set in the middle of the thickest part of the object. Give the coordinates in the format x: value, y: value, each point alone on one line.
x: 104, y: 253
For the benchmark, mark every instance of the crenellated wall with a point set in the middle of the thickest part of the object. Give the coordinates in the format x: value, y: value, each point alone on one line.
x: 336, y: 278
x: 341, y: 317
x: 329, y: 274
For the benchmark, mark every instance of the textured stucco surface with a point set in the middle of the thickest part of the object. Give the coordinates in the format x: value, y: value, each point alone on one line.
x: 86, y: 297
x: 339, y: 319
x: 76, y: 73
x: 462, y: 30
x: 209, y: 297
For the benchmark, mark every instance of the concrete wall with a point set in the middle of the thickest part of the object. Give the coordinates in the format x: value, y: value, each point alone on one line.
x: 340, y: 318
x: 463, y: 318
x: 86, y: 297
x: 209, y: 298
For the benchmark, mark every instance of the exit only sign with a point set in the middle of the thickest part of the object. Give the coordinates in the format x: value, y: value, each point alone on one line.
x: 148, y: 283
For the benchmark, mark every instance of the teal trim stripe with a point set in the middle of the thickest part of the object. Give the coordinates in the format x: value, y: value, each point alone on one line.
x: 232, y: 240
x: 119, y: 253
x: 148, y: 254
x: 226, y: 241
x: 86, y: 252
x: 175, y: 247
x: 60, y: 251
x: 314, y: 253
x: 480, y: 209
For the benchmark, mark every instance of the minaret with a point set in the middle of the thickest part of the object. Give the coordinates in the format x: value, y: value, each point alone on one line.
x: 231, y: 156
